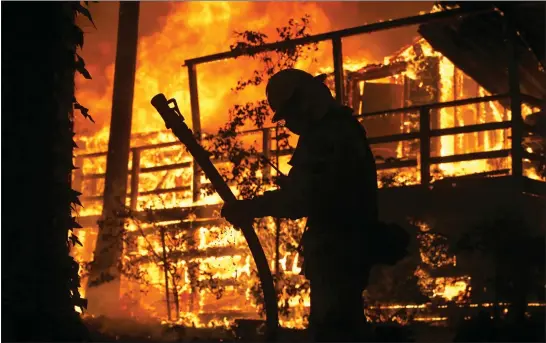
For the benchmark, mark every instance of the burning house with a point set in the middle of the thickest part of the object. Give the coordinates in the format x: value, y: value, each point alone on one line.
x: 440, y: 124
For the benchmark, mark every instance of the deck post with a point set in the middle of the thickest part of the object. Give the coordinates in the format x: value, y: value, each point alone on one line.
x: 166, y: 271
x: 424, y: 128
x: 338, y: 69
x: 196, y: 125
x: 515, y: 98
x: 135, y: 174
x: 266, y: 150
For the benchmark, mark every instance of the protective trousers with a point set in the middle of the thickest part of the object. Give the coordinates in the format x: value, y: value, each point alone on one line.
x: 337, y: 311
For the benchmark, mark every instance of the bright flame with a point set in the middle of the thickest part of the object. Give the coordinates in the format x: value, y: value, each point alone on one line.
x: 216, y: 253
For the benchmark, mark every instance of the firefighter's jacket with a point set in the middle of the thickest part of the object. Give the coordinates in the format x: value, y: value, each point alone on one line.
x: 333, y: 182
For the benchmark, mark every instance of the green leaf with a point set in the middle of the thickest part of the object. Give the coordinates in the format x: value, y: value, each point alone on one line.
x: 85, y: 12
x: 83, y: 110
x: 80, y: 67
x: 74, y: 224
x: 74, y: 197
x: 75, y: 240
x: 77, y: 36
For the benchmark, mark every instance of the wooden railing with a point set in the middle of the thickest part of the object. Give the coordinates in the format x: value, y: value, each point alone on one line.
x: 424, y: 135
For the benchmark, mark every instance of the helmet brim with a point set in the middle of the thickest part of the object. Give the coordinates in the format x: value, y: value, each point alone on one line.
x: 280, y: 114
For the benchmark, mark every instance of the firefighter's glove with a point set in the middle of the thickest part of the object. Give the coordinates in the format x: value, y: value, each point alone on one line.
x: 237, y: 213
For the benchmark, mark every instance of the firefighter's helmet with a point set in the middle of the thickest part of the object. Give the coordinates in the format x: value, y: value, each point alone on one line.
x: 286, y: 86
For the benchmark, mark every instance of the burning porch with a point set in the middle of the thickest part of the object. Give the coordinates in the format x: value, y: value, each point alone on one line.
x: 440, y: 134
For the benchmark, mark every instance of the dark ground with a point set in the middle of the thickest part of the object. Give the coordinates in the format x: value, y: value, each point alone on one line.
x: 479, y: 329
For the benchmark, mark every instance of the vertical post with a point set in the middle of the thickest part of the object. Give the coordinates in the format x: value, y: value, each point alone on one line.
x: 196, y: 124
x: 338, y: 69
x: 456, y: 149
x: 515, y: 98
x: 424, y: 128
x: 135, y: 173
x: 266, y: 151
x: 109, y: 245
x: 166, y: 271
x: 277, y: 220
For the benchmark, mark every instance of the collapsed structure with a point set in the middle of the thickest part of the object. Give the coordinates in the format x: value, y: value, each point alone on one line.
x: 437, y: 129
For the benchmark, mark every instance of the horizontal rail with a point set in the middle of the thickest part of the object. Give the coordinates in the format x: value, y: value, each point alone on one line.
x: 473, y: 175
x: 166, y: 167
x: 167, y: 214
x: 436, y: 105
x: 166, y: 190
x: 144, y: 170
x: 396, y: 164
x: 417, y: 108
x: 182, y: 226
x: 154, y: 191
x: 470, y: 128
x: 471, y: 156
x: 353, y: 31
x: 394, y: 138
x: 195, y: 253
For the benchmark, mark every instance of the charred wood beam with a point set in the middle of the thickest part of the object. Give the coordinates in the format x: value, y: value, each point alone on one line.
x: 379, y: 26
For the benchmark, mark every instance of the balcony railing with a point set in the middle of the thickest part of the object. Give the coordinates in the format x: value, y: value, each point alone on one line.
x: 423, y: 161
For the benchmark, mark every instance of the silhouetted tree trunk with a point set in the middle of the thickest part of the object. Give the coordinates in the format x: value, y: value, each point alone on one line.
x: 104, y: 280
x: 39, y: 278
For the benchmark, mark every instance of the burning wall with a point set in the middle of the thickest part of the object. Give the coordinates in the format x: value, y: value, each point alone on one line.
x: 208, y: 258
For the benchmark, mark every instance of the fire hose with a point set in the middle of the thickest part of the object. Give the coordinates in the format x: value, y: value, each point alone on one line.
x: 174, y: 120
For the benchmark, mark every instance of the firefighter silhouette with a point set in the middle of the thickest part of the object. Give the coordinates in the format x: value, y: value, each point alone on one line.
x: 333, y: 182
